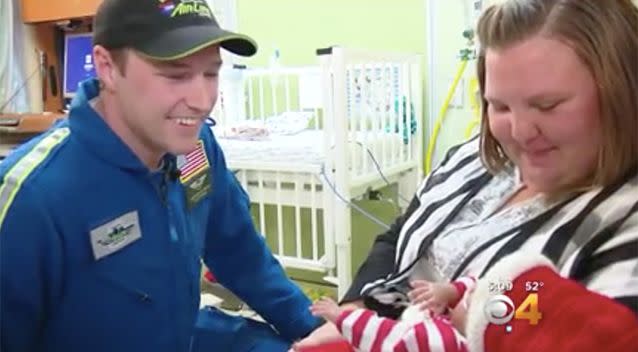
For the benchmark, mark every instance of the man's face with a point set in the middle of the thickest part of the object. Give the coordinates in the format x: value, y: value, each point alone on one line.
x: 163, y: 104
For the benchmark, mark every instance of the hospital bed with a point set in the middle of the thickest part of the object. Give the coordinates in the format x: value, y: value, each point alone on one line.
x: 306, y: 141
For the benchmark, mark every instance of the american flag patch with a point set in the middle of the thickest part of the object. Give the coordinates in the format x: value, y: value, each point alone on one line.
x: 193, y: 163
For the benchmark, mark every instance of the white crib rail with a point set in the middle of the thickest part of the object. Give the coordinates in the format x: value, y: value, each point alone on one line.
x: 383, y: 108
x: 296, y: 192
x: 257, y: 94
x: 369, y: 114
x: 374, y: 101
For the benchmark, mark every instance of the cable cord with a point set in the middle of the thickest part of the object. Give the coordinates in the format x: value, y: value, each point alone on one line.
x: 351, y: 204
x: 379, y: 171
x: 378, y: 167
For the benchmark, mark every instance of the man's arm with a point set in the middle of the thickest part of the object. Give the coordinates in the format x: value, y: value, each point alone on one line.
x: 242, y: 262
x: 30, y: 270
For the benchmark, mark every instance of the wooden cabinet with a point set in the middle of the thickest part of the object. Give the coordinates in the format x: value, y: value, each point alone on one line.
x: 34, y: 11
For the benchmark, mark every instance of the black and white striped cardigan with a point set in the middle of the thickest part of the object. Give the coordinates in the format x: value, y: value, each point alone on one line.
x: 590, y: 237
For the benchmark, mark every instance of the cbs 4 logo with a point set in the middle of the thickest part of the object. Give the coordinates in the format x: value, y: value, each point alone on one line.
x: 500, y: 310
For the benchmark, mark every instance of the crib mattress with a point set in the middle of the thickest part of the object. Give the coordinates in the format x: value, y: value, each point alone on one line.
x: 307, y: 148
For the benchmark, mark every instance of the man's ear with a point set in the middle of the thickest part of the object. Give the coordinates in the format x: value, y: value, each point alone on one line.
x: 105, y: 67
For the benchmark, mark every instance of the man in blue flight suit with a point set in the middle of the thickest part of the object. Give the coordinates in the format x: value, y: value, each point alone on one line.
x: 104, y: 219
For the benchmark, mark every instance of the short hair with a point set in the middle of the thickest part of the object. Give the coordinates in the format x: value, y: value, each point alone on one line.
x: 604, y: 35
x: 120, y: 58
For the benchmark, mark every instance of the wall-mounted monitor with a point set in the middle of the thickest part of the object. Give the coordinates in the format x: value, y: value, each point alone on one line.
x: 78, y: 61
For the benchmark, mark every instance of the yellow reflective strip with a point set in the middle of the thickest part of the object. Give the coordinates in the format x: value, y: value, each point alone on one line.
x: 24, y: 167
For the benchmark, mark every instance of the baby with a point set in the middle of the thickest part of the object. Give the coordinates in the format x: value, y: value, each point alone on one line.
x: 424, y: 325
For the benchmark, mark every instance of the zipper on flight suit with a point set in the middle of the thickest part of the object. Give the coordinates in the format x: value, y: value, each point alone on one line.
x: 171, y: 179
x: 167, y: 204
x: 162, y: 191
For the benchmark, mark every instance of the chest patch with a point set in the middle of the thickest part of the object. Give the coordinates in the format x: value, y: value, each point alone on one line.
x: 116, y: 234
x: 195, y: 175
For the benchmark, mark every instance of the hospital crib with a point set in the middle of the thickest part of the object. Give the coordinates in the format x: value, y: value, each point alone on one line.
x: 306, y: 141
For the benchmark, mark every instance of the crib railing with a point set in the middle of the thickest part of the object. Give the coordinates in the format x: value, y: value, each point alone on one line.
x: 368, y: 107
x: 260, y: 94
x: 381, y: 111
x: 372, y: 95
x: 293, y: 212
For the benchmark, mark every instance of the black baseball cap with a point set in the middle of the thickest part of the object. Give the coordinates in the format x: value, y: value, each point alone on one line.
x: 164, y: 29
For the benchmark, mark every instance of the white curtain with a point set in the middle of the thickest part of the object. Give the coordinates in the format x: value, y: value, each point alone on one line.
x: 14, y: 95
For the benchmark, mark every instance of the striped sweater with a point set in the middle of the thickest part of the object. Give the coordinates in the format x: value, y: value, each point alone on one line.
x: 367, y: 332
x: 416, y: 332
x: 591, y: 237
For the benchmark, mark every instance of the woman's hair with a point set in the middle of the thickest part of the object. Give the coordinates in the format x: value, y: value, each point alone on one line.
x: 604, y: 35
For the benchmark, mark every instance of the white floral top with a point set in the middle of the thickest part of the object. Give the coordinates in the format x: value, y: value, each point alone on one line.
x: 480, y: 221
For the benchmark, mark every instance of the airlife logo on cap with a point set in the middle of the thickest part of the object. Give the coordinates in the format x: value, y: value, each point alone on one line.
x: 185, y: 7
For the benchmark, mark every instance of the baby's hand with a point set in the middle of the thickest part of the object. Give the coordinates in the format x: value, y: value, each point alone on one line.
x: 326, y: 308
x: 421, y: 291
x: 431, y: 295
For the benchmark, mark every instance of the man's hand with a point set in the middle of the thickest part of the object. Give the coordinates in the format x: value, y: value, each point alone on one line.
x: 326, y: 333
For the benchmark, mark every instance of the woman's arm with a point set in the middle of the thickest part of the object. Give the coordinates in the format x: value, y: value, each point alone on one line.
x: 608, y: 264
x: 380, y: 260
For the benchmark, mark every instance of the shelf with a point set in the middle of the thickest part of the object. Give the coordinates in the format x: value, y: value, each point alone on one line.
x: 35, y: 11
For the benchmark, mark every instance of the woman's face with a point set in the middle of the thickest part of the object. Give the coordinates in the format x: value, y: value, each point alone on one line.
x: 543, y: 109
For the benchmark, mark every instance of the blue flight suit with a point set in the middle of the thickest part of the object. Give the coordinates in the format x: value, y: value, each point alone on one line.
x: 99, y: 253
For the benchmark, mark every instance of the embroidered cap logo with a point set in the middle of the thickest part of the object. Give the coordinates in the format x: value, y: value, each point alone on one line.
x: 185, y: 7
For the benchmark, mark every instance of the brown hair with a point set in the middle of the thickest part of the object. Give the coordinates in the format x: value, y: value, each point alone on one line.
x: 120, y: 57
x: 604, y: 34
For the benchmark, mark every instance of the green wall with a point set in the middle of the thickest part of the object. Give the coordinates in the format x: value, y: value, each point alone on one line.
x: 450, y: 19
x: 298, y: 27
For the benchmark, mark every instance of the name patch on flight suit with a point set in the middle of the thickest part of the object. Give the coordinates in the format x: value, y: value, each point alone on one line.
x: 115, y: 235
x: 195, y: 175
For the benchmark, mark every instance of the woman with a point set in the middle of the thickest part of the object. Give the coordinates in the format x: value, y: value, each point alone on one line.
x: 553, y: 172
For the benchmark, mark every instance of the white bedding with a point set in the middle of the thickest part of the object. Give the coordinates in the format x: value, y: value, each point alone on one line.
x: 304, y: 148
